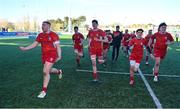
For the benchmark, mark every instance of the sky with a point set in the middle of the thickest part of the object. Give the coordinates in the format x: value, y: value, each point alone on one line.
x: 105, y: 11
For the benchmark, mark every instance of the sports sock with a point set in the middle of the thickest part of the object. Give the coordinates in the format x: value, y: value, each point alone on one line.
x: 44, y: 89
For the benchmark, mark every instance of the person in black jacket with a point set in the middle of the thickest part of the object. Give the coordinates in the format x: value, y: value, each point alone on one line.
x: 116, y: 43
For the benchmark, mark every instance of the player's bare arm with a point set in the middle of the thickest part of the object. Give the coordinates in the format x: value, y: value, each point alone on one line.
x: 101, y: 39
x: 169, y: 42
x: 58, y: 51
x: 33, y: 45
x: 89, y: 41
x: 82, y: 40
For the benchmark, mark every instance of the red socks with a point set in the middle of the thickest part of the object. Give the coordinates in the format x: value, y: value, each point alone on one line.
x: 78, y: 61
x: 155, y: 73
x: 95, y: 76
x: 44, y: 89
x: 131, y: 78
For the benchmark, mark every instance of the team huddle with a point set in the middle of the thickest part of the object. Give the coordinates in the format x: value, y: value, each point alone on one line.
x: 99, y: 42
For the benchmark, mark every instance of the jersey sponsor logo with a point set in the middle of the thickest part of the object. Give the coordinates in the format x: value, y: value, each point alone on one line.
x: 49, y: 38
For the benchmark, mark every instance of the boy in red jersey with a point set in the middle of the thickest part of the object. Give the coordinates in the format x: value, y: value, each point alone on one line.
x: 133, y: 34
x: 161, y: 40
x: 78, y: 44
x: 96, y: 39
x: 51, y: 53
x: 147, y: 38
x: 136, y: 54
x: 106, y: 45
x: 125, y: 41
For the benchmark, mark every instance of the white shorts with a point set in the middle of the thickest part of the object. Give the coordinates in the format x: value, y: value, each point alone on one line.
x: 78, y: 52
x: 100, y: 59
x: 93, y: 57
x: 134, y: 63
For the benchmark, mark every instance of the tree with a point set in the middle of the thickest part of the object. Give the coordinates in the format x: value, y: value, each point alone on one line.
x: 86, y: 27
x: 11, y: 26
x: 34, y: 26
x: 66, y: 20
x: 6, y: 24
x: 26, y: 24
x: 62, y: 25
x: 81, y: 19
x: 57, y: 25
x: 75, y: 22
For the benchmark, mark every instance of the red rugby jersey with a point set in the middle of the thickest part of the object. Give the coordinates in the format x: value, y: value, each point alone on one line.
x: 47, y: 41
x: 137, y: 44
x: 160, y: 40
x: 77, y: 38
x: 96, y: 34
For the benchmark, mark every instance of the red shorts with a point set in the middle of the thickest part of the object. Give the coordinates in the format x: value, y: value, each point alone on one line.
x: 78, y: 49
x: 160, y: 53
x: 125, y: 43
x: 49, y: 57
x: 135, y: 58
x: 105, y: 47
x: 96, y: 51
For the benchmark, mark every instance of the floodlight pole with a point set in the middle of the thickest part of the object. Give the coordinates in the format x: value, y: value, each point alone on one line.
x: 69, y: 20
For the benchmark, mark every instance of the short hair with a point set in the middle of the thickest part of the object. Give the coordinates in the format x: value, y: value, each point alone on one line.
x: 139, y: 30
x: 117, y: 26
x: 107, y: 30
x: 162, y: 24
x: 76, y: 27
x: 95, y: 21
x: 47, y: 22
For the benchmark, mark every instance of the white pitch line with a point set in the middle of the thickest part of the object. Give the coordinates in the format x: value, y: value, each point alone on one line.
x: 151, y: 92
x: 155, y: 99
x: 124, y: 73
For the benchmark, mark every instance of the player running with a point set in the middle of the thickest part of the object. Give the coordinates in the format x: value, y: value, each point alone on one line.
x: 147, y: 38
x: 136, y: 55
x: 96, y: 39
x: 125, y: 41
x: 133, y: 35
x: 161, y: 40
x: 51, y: 53
x: 78, y: 45
x: 106, y: 45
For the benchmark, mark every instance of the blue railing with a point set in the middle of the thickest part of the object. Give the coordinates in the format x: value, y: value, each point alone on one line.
x: 30, y: 35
